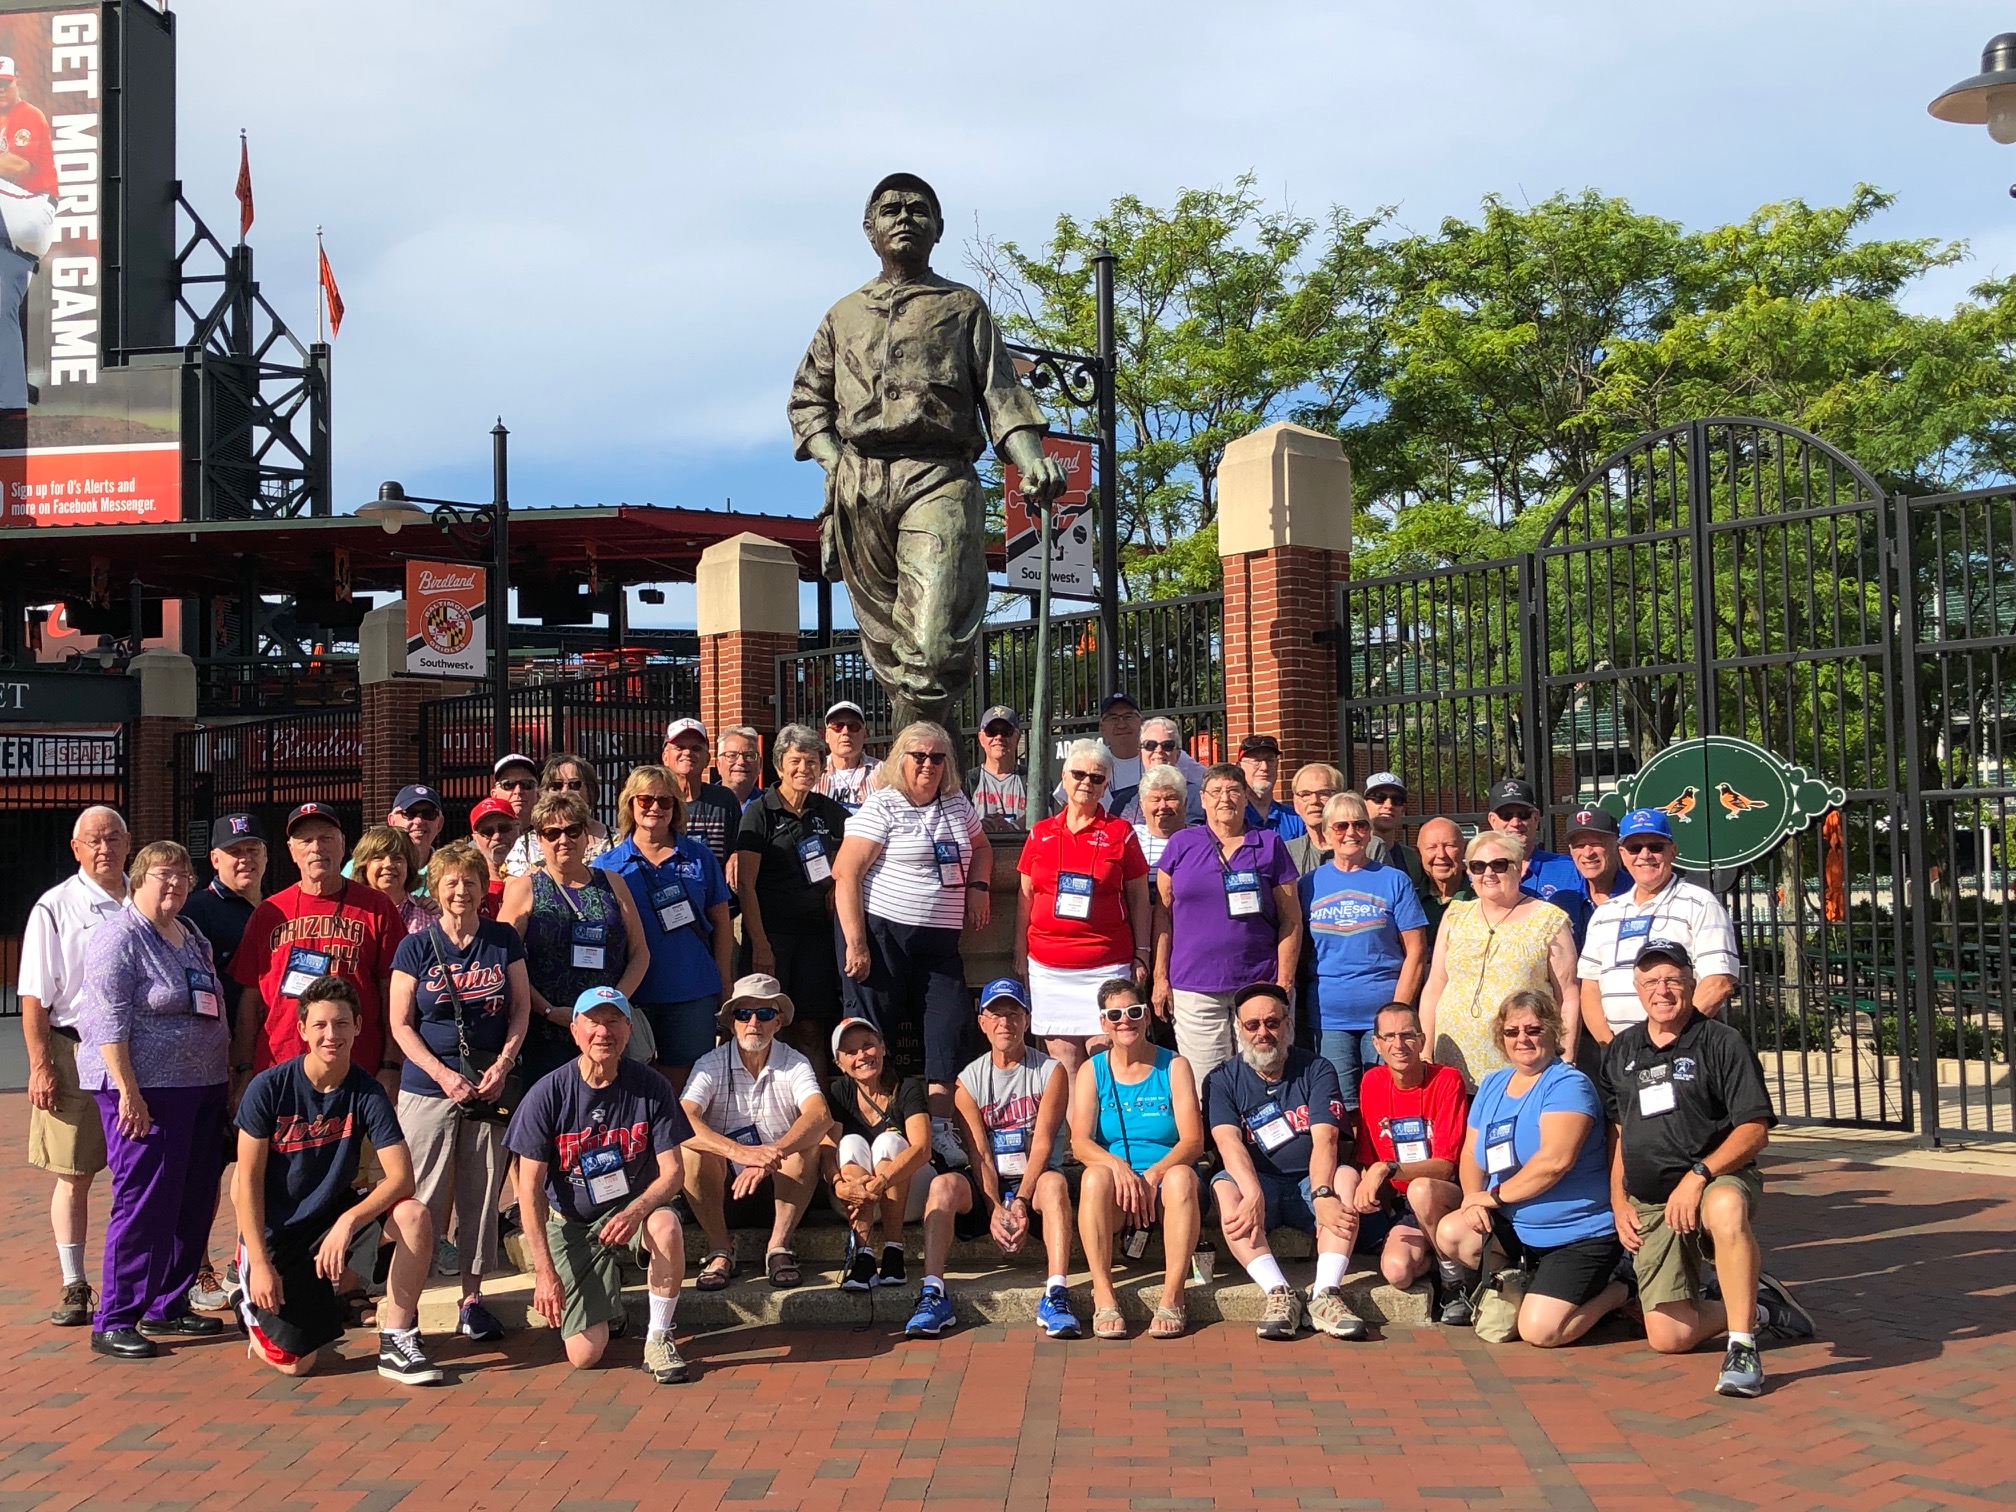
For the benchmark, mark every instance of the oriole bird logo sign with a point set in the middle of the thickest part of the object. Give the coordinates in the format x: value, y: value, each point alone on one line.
x: 1736, y: 803
x: 1682, y: 808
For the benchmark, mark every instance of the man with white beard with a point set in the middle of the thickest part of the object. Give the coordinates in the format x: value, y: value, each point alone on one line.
x: 1276, y: 1113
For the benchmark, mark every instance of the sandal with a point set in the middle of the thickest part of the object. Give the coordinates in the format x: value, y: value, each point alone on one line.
x: 1168, y: 1323
x: 716, y: 1271
x: 1108, y: 1324
x: 783, y: 1268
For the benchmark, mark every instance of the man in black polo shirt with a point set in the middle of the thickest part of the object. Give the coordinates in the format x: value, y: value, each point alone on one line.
x: 1692, y: 1113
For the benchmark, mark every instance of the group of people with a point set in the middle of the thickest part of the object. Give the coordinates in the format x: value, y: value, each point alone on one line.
x: 1476, y: 1061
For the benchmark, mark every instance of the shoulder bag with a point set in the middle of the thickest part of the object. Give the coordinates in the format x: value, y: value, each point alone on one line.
x: 475, y: 1063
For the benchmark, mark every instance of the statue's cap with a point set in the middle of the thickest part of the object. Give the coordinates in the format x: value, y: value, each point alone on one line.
x: 904, y: 181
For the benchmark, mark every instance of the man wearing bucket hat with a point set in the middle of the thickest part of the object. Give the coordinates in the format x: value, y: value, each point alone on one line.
x: 598, y: 1143
x: 758, y: 1118
x: 1657, y: 905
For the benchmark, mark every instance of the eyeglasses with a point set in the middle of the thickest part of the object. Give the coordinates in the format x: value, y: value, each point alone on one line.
x: 1224, y: 793
x: 1323, y: 794
x: 1351, y: 827
x: 1525, y: 1031
x: 759, y: 1015
x: 1518, y: 814
x: 1092, y: 779
x: 1663, y: 987
x: 422, y: 812
x: 171, y: 879
x: 563, y: 832
x: 1132, y: 1013
x: 1639, y: 847
x: 1158, y: 745
x: 1401, y: 1037
x: 1497, y: 866
x: 653, y: 800
x: 1263, y: 1026
x: 927, y: 758
x: 567, y: 785
x: 518, y: 784
x: 497, y: 832
x: 738, y: 757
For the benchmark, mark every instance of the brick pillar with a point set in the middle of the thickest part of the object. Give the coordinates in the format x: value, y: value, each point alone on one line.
x: 167, y: 708
x: 1284, y: 539
x: 389, y: 708
x: 747, y: 600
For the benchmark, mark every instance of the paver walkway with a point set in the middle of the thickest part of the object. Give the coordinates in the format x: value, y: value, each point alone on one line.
x: 1904, y: 1403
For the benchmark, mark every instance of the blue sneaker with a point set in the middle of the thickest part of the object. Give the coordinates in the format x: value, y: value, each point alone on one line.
x: 1055, y: 1316
x: 1742, y: 1372
x: 933, y: 1316
x: 479, y: 1323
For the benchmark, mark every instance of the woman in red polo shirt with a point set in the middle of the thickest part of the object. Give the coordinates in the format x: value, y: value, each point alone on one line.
x: 1082, y: 918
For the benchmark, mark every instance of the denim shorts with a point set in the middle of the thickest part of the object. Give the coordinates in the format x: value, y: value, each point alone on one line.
x: 1288, y: 1201
x: 684, y: 1031
x: 1350, y: 1051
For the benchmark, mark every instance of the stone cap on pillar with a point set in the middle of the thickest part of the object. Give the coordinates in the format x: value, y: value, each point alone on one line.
x: 747, y: 583
x: 381, y: 643
x: 167, y: 684
x: 1284, y: 485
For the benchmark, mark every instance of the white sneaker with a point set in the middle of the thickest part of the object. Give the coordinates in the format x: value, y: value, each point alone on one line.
x: 945, y: 1145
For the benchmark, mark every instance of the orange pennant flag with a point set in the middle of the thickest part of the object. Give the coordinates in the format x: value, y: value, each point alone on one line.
x: 244, y: 187
x: 329, y: 293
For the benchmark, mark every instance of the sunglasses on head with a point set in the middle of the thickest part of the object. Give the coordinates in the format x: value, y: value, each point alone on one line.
x: 1130, y: 1013
x: 563, y: 832
x: 1497, y: 866
x: 1095, y: 779
x: 759, y: 1015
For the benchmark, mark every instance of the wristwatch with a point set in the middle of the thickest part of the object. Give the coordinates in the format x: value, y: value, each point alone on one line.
x: 979, y: 886
x: 1700, y: 1168
x: 1322, y: 1191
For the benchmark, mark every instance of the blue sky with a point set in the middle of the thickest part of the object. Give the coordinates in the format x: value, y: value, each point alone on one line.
x: 617, y: 225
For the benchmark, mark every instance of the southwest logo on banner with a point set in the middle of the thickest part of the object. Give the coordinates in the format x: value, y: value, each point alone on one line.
x: 445, y: 619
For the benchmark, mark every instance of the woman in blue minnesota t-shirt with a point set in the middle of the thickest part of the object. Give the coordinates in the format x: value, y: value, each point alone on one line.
x: 1535, y: 1174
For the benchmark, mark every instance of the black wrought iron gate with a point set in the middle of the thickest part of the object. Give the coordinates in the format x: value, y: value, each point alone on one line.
x: 1740, y: 577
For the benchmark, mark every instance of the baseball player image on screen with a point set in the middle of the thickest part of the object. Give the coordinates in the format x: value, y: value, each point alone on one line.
x: 28, y: 221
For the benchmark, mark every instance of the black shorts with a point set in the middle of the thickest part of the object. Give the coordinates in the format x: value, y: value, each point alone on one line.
x: 808, y: 969
x: 1375, y: 1228
x: 311, y: 1315
x: 916, y: 993
x: 1573, y: 1273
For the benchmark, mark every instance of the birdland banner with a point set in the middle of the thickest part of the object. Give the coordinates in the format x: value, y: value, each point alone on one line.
x: 447, y: 620
x: 1071, y: 573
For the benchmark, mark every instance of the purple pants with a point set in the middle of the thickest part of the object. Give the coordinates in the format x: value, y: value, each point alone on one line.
x: 164, y: 1199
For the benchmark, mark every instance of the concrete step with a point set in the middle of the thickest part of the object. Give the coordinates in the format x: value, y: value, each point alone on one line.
x: 997, y: 1294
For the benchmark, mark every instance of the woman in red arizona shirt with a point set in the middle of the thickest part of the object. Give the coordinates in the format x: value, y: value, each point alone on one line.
x: 1082, y: 918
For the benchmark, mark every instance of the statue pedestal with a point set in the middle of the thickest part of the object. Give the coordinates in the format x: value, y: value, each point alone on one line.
x: 990, y: 952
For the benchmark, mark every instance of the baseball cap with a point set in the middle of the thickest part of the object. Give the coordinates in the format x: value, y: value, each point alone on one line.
x: 853, y: 1020
x: 491, y: 808
x: 312, y: 811
x: 680, y: 727
x: 1259, y: 745
x: 1591, y: 821
x: 1671, y: 951
x: 514, y: 759
x: 7, y: 72
x: 1380, y: 780
x: 1246, y: 994
x: 1513, y: 790
x: 760, y: 988
x: 1645, y: 821
x: 1000, y: 714
x: 226, y: 830
x: 1005, y: 987
x: 846, y: 706
x: 1114, y: 700
x: 603, y: 997
x: 417, y: 792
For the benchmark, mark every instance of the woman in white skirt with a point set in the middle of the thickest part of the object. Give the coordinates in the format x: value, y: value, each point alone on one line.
x: 1082, y: 918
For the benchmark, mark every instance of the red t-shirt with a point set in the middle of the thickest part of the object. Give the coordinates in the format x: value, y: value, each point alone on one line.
x: 1440, y: 1099
x: 359, y: 930
x: 1109, y: 852
x: 26, y: 131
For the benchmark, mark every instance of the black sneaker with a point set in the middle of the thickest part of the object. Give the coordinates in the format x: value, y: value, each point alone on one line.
x: 1786, y: 1318
x: 124, y: 1344
x: 186, y: 1325
x: 892, y: 1272
x: 401, y: 1359
x: 860, y: 1274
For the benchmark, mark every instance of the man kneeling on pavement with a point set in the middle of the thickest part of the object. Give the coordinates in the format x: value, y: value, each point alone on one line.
x: 1687, y: 1096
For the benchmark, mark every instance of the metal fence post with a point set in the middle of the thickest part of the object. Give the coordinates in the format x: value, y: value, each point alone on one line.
x: 1916, y: 874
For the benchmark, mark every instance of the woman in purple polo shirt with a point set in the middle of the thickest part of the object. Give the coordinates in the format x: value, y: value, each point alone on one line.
x: 1230, y: 916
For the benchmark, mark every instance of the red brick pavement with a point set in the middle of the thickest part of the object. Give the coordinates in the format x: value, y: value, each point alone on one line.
x: 1903, y: 1404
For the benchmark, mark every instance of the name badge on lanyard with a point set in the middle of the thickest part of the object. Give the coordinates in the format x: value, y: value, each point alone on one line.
x: 590, y: 945
x: 1242, y: 893
x: 1498, y: 1156
x: 1655, y: 1091
x: 1074, y: 895
x: 1631, y: 937
x: 204, y: 1000
x: 1410, y: 1140
x: 303, y: 966
x: 675, y: 911
x: 1011, y: 1151
x: 1270, y: 1126
x: 812, y: 856
x: 951, y: 865
x: 603, y: 1168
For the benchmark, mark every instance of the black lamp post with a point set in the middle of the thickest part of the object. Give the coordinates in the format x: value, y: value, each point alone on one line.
x: 1989, y: 97
x: 471, y: 526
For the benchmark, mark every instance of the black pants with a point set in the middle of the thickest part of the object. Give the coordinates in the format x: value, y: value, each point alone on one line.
x: 916, y: 991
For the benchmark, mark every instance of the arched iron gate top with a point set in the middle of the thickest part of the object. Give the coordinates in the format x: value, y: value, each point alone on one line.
x: 1651, y: 440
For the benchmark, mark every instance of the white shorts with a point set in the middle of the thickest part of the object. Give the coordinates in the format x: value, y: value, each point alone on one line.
x: 30, y: 220
x: 856, y: 1151
x: 1065, y: 1000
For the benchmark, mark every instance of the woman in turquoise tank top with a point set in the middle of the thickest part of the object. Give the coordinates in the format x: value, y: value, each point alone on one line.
x: 1136, y: 1125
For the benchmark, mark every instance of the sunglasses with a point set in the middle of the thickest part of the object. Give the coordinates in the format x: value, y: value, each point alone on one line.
x: 564, y: 832
x: 1497, y: 866
x: 847, y: 726
x: 498, y: 832
x: 759, y: 1015
x: 927, y: 758
x: 1133, y: 1013
x: 1525, y: 1032
x: 1634, y: 847
x: 1520, y: 815
x: 1158, y: 745
x: 1093, y: 779
x: 1263, y: 1026
x: 653, y: 800
x: 566, y: 785
x: 518, y: 784
x: 1351, y: 827
x: 422, y: 812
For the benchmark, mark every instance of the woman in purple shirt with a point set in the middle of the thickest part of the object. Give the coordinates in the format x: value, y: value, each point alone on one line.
x: 155, y: 1052
x: 1229, y: 916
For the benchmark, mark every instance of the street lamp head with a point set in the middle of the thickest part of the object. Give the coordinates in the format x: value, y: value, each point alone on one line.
x: 392, y: 509
x: 1989, y: 97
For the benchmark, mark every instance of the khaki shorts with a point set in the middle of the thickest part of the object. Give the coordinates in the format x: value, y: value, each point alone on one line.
x: 588, y: 1272
x: 68, y: 1139
x: 1669, y: 1264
